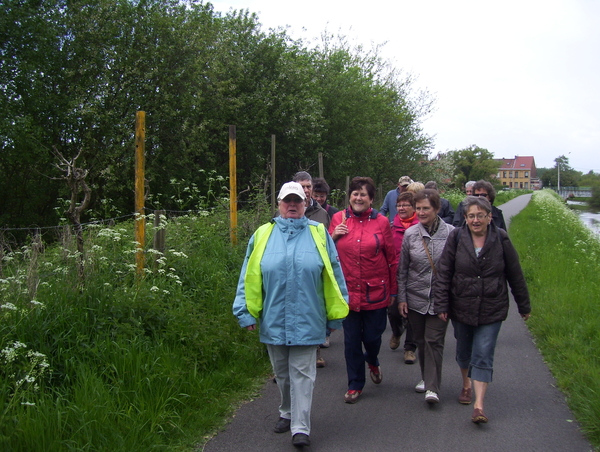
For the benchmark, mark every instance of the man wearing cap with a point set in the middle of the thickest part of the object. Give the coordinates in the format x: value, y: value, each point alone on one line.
x: 389, y: 203
x: 291, y: 284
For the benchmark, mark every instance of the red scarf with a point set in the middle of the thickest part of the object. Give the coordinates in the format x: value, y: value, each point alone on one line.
x: 409, y: 221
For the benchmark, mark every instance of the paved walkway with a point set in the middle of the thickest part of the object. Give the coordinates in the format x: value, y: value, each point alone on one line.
x: 526, y: 411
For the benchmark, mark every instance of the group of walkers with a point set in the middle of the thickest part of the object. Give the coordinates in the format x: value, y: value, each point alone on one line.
x: 314, y: 269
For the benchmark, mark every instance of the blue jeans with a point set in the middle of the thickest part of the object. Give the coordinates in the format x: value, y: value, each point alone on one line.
x: 475, y: 346
x: 362, y: 328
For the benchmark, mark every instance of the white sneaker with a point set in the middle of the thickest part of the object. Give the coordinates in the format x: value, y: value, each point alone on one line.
x: 420, y: 386
x: 431, y: 397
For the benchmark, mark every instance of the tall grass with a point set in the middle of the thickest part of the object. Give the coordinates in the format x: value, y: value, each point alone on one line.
x: 561, y: 261
x: 130, y: 364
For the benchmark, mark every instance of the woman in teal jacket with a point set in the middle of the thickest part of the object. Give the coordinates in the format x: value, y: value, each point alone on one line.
x: 292, y: 285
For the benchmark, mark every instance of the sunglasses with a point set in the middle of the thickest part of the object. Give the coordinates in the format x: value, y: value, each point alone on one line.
x: 479, y: 194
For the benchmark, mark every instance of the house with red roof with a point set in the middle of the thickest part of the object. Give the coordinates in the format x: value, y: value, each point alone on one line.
x: 519, y: 172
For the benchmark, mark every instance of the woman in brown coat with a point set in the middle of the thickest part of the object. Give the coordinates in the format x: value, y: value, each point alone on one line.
x: 477, y: 262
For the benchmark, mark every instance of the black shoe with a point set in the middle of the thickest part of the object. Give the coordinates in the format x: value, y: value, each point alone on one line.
x: 282, y: 426
x: 300, y: 439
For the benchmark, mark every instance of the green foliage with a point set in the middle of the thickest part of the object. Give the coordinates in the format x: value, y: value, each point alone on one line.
x: 455, y: 196
x: 74, y: 74
x: 473, y: 163
x: 132, y: 363
x: 561, y: 258
x: 590, y: 179
x: 568, y: 176
x: 594, y: 201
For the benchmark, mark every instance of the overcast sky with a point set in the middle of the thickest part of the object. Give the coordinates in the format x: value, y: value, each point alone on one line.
x: 514, y: 77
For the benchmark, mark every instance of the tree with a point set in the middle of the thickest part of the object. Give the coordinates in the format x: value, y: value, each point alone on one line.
x: 590, y: 179
x: 568, y: 176
x: 440, y: 169
x: 473, y: 163
x: 595, y: 199
x: 74, y: 73
x: 371, y: 112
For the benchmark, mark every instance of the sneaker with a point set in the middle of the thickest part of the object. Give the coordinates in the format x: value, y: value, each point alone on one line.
x: 394, y: 342
x: 420, y: 386
x: 352, y: 395
x: 325, y: 344
x: 431, y: 397
x: 409, y: 357
x: 465, y: 396
x: 376, y: 374
x: 301, y: 440
x: 320, y: 360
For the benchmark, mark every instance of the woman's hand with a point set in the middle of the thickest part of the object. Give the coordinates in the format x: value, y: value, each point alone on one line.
x: 340, y: 230
x: 251, y: 327
x: 403, y: 309
x: 393, y: 300
x: 443, y: 316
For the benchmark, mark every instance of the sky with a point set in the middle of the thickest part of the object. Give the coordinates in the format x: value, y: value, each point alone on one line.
x: 516, y: 77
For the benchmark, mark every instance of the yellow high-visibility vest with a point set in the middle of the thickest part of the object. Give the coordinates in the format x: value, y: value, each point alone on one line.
x: 336, y: 306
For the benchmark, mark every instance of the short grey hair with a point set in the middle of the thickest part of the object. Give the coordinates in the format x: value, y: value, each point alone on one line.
x: 470, y: 184
x: 478, y: 201
x: 431, y: 184
x: 301, y: 175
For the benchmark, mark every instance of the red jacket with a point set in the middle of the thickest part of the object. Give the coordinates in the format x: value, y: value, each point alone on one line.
x: 398, y: 230
x: 368, y: 258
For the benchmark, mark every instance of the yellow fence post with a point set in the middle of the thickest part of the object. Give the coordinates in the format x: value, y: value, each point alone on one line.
x: 140, y: 221
x: 232, y: 185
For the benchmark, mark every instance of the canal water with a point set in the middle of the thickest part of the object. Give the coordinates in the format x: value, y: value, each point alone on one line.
x: 591, y: 218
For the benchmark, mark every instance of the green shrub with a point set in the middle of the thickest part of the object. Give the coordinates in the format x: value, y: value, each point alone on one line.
x: 155, y: 362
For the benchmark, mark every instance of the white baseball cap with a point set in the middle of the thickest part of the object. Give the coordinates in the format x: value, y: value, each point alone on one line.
x: 291, y: 188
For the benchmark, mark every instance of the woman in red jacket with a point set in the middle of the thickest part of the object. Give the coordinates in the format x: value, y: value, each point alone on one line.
x: 366, y: 249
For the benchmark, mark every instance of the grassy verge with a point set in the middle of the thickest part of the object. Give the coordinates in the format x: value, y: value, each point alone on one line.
x: 121, y: 364
x: 456, y: 195
x: 561, y: 261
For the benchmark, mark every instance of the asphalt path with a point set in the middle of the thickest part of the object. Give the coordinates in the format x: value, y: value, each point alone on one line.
x: 526, y: 410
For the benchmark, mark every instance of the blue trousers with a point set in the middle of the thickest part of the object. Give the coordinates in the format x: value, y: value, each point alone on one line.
x: 475, y: 346
x: 363, y: 328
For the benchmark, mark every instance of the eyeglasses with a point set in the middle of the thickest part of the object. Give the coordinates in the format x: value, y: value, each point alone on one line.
x: 479, y: 216
x: 404, y: 206
x: 479, y: 194
x: 295, y: 199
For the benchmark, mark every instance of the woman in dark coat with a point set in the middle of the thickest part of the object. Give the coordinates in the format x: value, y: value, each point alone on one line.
x: 477, y: 262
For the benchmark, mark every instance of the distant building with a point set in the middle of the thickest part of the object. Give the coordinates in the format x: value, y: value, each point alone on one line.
x: 519, y: 172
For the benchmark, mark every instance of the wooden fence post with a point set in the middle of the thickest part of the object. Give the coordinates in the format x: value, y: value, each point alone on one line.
x: 140, y: 221
x: 321, y: 165
x: 347, y: 197
x: 233, y: 184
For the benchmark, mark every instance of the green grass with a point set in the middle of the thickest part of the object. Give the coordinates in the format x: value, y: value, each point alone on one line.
x: 157, y: 363
x: 561, y: 261
x: 456, y: 195
x: 160, y: 364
